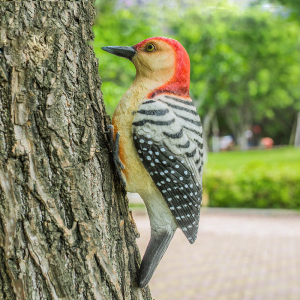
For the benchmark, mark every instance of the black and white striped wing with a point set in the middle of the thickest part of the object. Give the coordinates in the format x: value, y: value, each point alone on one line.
x: 167, y: 134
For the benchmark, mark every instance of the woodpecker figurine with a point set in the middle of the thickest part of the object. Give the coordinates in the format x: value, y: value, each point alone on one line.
x: 158, y: 144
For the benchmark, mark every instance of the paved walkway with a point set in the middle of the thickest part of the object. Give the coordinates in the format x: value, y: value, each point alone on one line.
x: 239, y: 255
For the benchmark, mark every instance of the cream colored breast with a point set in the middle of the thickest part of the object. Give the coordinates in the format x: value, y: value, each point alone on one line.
x: 137, y: 178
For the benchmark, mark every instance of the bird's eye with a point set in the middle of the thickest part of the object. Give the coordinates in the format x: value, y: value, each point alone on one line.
x: 150, y: 47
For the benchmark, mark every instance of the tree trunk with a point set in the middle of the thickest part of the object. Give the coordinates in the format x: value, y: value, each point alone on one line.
x: 206, y: 128
x: 241, y: 138
x: 293, y: 132
x: 215, y: 137
x: 297, y: 134
x: 65, y: 229
x: 239, y: 128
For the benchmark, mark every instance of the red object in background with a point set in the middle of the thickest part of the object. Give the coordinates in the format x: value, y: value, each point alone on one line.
x: 256, y: 129
x: 267, y: 142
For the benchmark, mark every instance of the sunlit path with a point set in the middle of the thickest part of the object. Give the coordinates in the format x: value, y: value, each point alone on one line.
x: 239, y: 254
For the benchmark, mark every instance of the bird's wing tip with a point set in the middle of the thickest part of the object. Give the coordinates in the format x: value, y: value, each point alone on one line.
x: 192, y: 241
x: 142, y: 283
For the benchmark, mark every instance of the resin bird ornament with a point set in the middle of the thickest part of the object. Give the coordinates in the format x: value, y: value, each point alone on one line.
x: 158, y: 145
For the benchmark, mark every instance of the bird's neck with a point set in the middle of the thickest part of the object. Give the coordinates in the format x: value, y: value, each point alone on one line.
x: 146, y: 86
x: 178, y: 85
x: 148, y: 82
x: 151, y: 87
x: 133, y: 97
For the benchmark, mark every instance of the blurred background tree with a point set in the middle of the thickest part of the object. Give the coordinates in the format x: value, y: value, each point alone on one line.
x: 244, y: 75
x: 293, y: 14
x: 243, y: 67
x: 244, y: 62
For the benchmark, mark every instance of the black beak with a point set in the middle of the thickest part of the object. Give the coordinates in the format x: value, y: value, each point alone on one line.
x: 127, y: 52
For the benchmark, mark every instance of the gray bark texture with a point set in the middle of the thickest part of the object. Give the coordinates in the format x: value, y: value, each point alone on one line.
x: 65, y: 228
x: 297, y: 133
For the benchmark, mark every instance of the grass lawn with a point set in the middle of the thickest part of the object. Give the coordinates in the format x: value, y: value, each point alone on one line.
x: 254, y: 179
x: 283, y: 158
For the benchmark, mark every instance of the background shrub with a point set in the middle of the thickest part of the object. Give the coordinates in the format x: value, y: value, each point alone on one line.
x: 256, y: 179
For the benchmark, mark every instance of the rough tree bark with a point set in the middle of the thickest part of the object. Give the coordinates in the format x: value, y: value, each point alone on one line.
x: 65, y: 228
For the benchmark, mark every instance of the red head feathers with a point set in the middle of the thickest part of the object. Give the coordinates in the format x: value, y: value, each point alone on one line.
x: 180, y: 82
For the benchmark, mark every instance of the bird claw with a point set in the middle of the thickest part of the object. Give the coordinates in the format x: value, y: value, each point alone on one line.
x: 115, y: 151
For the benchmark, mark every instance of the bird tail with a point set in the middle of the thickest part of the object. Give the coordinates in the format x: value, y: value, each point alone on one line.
x: 156, y: 249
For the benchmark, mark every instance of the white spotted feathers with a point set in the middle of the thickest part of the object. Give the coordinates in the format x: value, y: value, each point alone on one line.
x: 167, y: 134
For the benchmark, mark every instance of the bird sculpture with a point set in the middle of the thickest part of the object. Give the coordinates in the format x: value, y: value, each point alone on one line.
x: 158, y: 144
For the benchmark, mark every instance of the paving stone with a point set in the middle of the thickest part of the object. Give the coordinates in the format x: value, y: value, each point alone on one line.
x: 237, y: 256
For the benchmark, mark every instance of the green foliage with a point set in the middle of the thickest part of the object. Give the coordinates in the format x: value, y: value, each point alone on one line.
x: 257, y: 179
x: 293, y: 5
x: 242, y: 63
x: 245, y: 64
x: 118, y: 27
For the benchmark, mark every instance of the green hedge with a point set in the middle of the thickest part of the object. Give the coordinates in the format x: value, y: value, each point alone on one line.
x: 256, y: 185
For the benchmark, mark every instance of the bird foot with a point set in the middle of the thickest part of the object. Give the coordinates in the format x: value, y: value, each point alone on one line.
x: 115, y: 150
